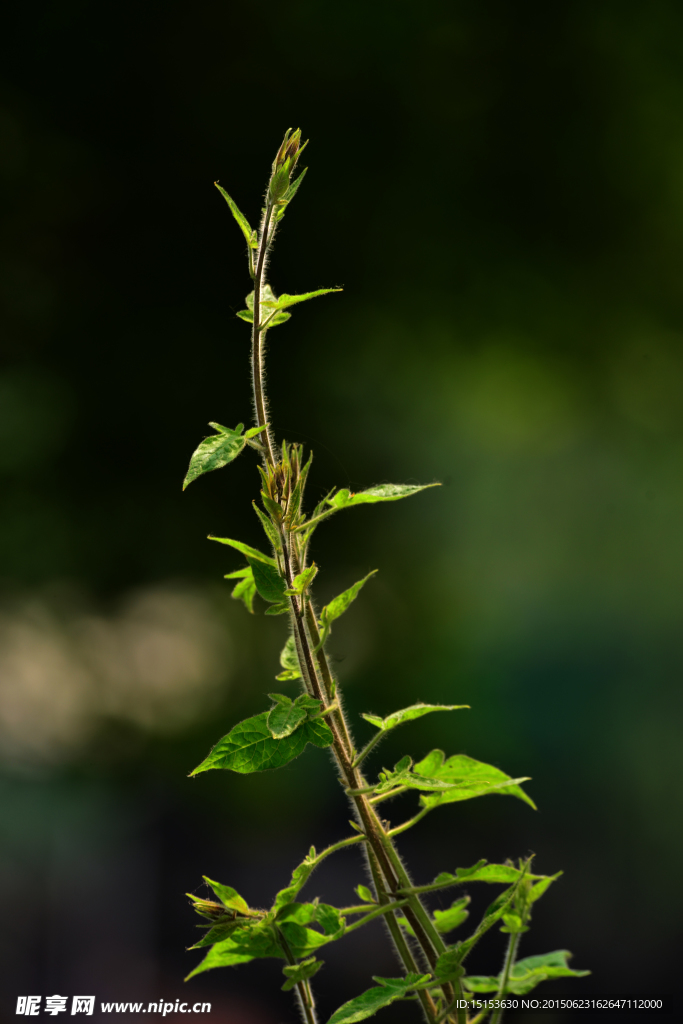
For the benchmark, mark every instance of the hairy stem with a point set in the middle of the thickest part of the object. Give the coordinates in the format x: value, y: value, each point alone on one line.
x: 257, y: 335
x: 303, y: 988
x: 510, y: 957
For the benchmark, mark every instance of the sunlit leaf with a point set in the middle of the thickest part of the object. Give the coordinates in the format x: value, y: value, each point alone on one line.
x: 299, y: 878
x: 215, y: 451
x: 245, y: 549
x: 268, y: 528
x: 248, y: 943
x: 527, y: 974
x: 365, y: 894
x: 247, y: 231
x: 384, y: 492
x: 245, y: 590
x: 287, y: 715
x: 249, y: 746
x: 469, y: 778
x: 387, y: 991
x: 289, y: 662
x: 228, y: 896
x: 286, y: 300
x: 339, y: 604
x: 447, y: 920
x: 303, y: 580
x: 407, y: 714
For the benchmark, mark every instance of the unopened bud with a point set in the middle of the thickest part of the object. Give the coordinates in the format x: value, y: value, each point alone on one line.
x: 284, y: 164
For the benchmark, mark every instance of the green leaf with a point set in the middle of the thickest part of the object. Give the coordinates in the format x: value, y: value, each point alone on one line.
x: 540, y: 887
x: 215, y: 452
x: 289, y: 662
x: 447, y: 920
x: 253, y: 431
x: 268, y: 580
x: 249, y: 746
x: 367, y: 1004
x: 268, y: 305
x: 338, y: 606
x: 527, y: 974
x: 248, y: 233
x: 245, y: 590
x: 289, y: 194
x: 300, y: 972
x: 300, y: 913
x: 219, y: 932
x: 469, y: 778
x: 492, y: 914
x: 288, y: 715
x: 300, y: 876
x: 303, y: 941
x: 278, y: 609
x: 365, y: 894
x: 329, y: 919
x: 245, y: 549
x: 408, y: 714
x: 228, y: 896
x: 303, y: 580
x: 248, y: 943
x: 384, y: 492
x: 268, y: 528
x: 286, y: 300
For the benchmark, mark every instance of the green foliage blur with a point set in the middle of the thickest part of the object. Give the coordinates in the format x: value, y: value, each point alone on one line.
x: 499, y: 190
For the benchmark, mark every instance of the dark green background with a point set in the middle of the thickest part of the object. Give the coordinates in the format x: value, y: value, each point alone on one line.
x: 499, y: 188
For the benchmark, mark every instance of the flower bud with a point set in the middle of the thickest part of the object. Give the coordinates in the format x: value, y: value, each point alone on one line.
x: 284, y: 164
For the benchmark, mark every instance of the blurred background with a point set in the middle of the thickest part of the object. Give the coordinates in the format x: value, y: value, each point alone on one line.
x: 499, y: 188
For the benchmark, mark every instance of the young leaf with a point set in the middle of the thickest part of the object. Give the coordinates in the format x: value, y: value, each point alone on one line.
x: 245, y: 549
x: 247, y: 231
x: 289, y: 662
x: 300, y: 972
x: 365, y: 894
x: 288, y: 715
x: 249, y: 746
x: 278, y: 609
x: 268, y: 528
x: 268, y: 304
x: 300, y: 876
x: 540, y: 887
x: 215, y: 451
x: 245, y: 589
x: 367, y: 1004
x: 290, y: 300
x: 469, y: 779
x: 248, y: 316
x: 228, y: 896
x: 303, y: 580
x: 268, y: 580
x: 301, y: 913
x: 385, y: 492
x: 338, y: 606
x: 329, y: 919
x: 492, y: 914
x: 219, y: 932
x: 303, y: 941
x: 407, y: 714
x: 447, y: 920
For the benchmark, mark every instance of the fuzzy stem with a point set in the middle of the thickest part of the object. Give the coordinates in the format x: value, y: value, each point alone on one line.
x: 303, y: 988
x: 510, y: 957
x: 257, y: 336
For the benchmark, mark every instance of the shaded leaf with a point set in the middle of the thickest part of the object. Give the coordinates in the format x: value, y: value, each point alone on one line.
x: 300, y: 972
x: 247, y: 231
x: 250, y: 552
x: 367, y: 1004
x: 302, y: 941
x: 384, y: 492
x: 269, y: 582
x: 249, y: 746
x: 469, y: 778
x: 215, y: 451
x: 300, y: 913
x: 268, y: 528
x: 407, y: 714
x: 277, y: 609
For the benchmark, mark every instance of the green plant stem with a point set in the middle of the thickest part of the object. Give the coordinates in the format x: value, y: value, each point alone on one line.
x: 303, y: 988
x: 257, y: 335
x: 409, y: 824
x: 510, y: 957
x: 368, y: 747
x: 390, y: 908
